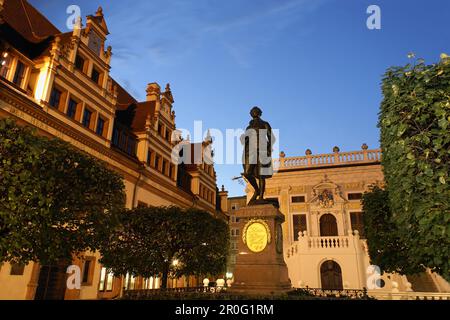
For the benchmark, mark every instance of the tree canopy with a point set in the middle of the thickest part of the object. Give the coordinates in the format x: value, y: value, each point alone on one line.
x: 55, y: 201
x: 169, y: 241
x: 386, y: 250
x: 415, y: 139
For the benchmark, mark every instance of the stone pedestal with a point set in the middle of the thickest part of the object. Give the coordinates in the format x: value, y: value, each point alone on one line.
x: 260, y: 266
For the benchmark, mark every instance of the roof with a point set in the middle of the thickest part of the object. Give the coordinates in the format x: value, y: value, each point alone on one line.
x: 27, y: 21
x: 238, y: 198
x: 64, y: 38
x: 22, y: 20
x: 143, y: 110
x: 124, y: 98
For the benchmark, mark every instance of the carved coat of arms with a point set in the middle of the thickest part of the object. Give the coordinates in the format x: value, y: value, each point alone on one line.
x: 326, y: 199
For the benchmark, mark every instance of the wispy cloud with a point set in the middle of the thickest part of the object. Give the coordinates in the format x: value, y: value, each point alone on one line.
x: 167, y: 31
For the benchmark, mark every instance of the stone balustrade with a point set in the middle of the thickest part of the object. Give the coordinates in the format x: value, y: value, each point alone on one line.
x: 311, y: 244
x: 329, y: 159
x: 328, y: 242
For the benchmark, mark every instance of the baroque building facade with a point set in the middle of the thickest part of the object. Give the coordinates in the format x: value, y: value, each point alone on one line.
x: 60, y: 83
x: 323, y: 234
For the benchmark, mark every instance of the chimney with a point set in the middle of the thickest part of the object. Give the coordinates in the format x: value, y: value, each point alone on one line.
x: 153, y: 91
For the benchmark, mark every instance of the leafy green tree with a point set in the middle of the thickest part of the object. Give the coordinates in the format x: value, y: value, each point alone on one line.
x: 151, y: 239
x: 386, y: 250
x: 54, y: 200
x: 415, y: 139
x: 210, y: 243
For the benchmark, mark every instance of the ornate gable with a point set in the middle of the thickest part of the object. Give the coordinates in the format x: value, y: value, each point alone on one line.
x: 326, y: 194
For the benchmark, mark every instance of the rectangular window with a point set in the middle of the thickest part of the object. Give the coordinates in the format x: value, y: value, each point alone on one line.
x: 234, y: 206
x: 87, y: 264
x: 299, y: 224
x: 100, y: 126
x: 55, y: 98
x: 149, y: 157
x: 167, y: 135
x: 19, y: 74
x: 164, y: 166
x: 298, y: 199
x: 79, y: 63
x: 95, y: 76
x: 87, y: 115
x: 354, y: 196
x: 171, y: 171
x: 72, y: 108
x: 106, y: 280
x: 357, y: 222
x: 130, y: 282
x: 5, y: 64
x: 88, y: 268
x: 158, y: 161
x: 130, y: 145
x: 123, y: 140
x: 115, y: 137
x: 17, y: 269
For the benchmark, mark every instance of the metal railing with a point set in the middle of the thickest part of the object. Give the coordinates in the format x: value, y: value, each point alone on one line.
x: 334, y: 293
x: 138, y: 294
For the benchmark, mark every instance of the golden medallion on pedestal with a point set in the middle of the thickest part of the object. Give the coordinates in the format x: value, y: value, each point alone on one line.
x: 256, y: 235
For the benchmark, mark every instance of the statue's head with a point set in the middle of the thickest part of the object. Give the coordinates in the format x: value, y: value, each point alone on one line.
x: 255, y: 112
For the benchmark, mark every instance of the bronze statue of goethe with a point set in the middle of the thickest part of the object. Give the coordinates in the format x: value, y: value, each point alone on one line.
x: 258, y: 141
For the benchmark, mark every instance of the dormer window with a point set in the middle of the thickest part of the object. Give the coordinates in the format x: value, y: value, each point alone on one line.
x: 160, y: 129
x: 96, y: 76
x: 19, y: 74
x: 79, y: 63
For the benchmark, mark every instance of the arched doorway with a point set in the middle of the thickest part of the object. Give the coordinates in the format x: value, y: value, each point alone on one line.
x: 331, y: 275
x: 328, y: 226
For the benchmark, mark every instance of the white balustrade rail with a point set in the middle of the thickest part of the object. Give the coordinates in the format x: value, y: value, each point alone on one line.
x: 328, y: 242
x: 329, y: 159
x: 307, y: 244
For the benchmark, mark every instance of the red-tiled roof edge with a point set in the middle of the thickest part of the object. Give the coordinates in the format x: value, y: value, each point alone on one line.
x: 143, y: 110
x: 124, y: 98
x: 27, y: 21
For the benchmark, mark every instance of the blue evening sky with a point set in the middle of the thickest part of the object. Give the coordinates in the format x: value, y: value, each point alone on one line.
x: 311, y: 65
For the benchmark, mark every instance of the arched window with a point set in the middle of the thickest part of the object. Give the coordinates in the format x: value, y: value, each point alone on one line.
x: 328, y: 226
x: 331, y: 276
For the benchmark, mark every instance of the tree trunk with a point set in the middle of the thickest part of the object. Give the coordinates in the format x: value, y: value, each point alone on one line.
x: 164, y: 277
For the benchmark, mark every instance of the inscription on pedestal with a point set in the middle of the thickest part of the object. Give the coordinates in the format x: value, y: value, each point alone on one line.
x: 256, y: 235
